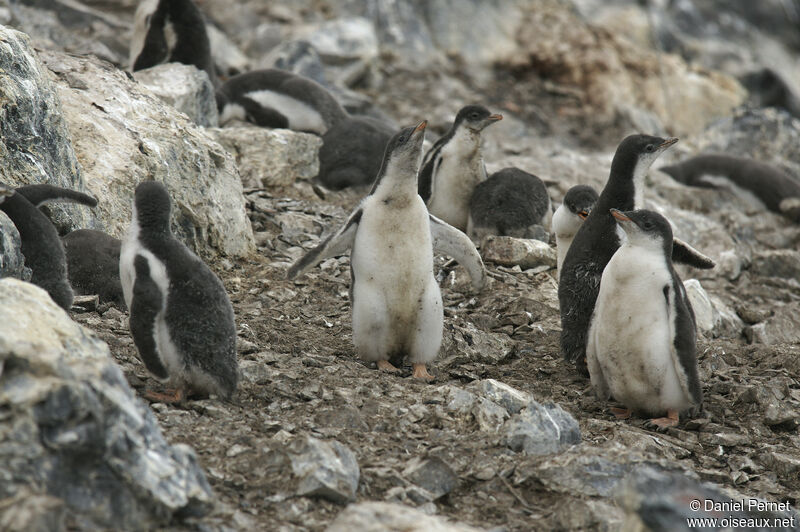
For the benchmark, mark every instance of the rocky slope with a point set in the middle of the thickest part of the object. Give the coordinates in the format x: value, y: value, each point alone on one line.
x: 507, y: 437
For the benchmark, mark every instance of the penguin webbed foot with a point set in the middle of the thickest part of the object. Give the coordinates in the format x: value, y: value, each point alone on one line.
x: 388, y: 367
x: 621, y: 413
x: 664, y: 423
x: 171, y: 397
x: 421, y: 372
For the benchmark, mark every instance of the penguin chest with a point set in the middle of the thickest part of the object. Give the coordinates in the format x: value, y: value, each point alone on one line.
x: 455, y: 177
x: 300, y: 115
x: 631, y: 335
x: 392, y: 258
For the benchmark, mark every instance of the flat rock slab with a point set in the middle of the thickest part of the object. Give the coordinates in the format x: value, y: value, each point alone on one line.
x: 523, y: 252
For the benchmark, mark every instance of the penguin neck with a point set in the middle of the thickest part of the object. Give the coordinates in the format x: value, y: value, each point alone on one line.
x: 396, y: 185
x: 625, y: 188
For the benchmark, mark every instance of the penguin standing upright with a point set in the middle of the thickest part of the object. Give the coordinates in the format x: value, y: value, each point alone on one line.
x: 396, y: 303
x: 568, y: 218
x: 181, y: 319
x: 641, y: 342
x: 453, y: 167
x: 170, y: 31
x: 511, y: 202
x: 41, y: 246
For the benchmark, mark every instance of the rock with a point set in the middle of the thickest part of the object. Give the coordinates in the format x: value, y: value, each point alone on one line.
x: 73, y: 429
x: 185, y: 88
x: 348, y: 45
x: 466, y: 343
x: 123, y: 135
x: 391, y: 517
x: 325, y: 469
x: 433, y: 475
x: 522, y: 252
x: 713, y: 318
x: 26, y: 512
x: 783, y: 327
x: 509, y: 398
x: 12, y: 263
x: 782, y: 463
x: 270, y: 157
x: 657, y: 500
x: 783, y: 263
x: 541, y: 429
x: 36, y: 145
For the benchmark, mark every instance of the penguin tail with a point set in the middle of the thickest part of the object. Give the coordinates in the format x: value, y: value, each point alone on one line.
x: 41, y: 194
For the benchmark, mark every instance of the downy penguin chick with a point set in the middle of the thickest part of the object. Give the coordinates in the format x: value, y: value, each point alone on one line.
x: 181, y: 318
x: 396, y: 302
x: 453, y: 167
x: 568, y: 218
x: 641, y: 345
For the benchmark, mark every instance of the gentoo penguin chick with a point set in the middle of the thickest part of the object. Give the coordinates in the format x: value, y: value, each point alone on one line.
x: 41, y: 246
x: 352, y: 152
x: 568, y: 218
x: 181, y: 318
x: 93, y: 264
x: 278, y: 99
x: 396, y: 302
x: 641, y: 344
x: 510, y: 203
x: 170, y: 31
x: 453, y: 167
x: 762, y: 183
x: 597, y: 240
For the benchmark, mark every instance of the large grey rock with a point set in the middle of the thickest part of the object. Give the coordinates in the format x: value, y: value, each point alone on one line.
x: 783, y: 263
x: 270, y: 157
x: 74, y: 430
x: 541, y: 429
x: 657, y: 500
x: 523, y: 252
x: 122, y: 134
x: 325, y: 469
x: 12, y: 263
x: 510, y: 398
x: 783, y: 327
x: 391, y: 517
x: 34, y: 138
x: 432, y: 474
x: 712, y: 317
x: 184, y: 87
x: 26, y: 512
x: 348, y: 46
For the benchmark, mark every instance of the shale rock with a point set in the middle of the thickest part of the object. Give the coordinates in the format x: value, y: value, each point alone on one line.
x: 270, y: 157
x: 325, y: 469
x: 390, y: 517
x: 541, y: 429
x: 185, y: 88
x: 433, y: 475
x: 34, y: 137
x: 73, y: 430
x: 123, y: 135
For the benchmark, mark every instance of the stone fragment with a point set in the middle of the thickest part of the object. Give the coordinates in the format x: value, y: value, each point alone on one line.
x: 432, y: 474
x: 184, y: 87
x: 541, y: 429
x: 391, y: 517
x: 522, y: 252
x: 713, y: 318
x: 325, y: 469
x: 509, y: 398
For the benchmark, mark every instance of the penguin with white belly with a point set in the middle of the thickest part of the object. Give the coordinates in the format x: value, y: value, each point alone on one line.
x: 641, y: 341
x: 568, y: 218
x: 396, y: 302
x: 181, y: 318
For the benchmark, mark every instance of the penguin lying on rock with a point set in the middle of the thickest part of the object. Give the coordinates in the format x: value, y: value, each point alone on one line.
x: 396, y: 302
x: 641, y: 342
x: 181, y: 319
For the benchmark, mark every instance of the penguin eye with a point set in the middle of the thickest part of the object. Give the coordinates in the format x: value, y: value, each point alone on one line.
x: 474, y: 115
x: 647, y: 224
x: 649, y: 148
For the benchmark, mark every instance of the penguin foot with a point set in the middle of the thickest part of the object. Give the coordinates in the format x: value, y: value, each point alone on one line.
x: 421, y: 372
x: 665, y: 422
x: 621, y: 413
x: 169, y: 397
x: 385, y: 365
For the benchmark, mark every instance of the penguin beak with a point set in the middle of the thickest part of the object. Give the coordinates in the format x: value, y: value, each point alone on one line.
x: 421, y: 127
x: 619, y: 215
x: 489, y: 120
x: 667, y: 143
x: 583, y: 214
x: 495, y: 118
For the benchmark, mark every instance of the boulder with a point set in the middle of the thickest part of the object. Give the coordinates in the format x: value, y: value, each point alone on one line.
x: 712, y: 317
x: 122, y: 134
x: 391, y: 517
x: 73, y: 429
x: 270, y: 157
x: 184, y: 87
x: 523, y: 252
x: 34, y: 137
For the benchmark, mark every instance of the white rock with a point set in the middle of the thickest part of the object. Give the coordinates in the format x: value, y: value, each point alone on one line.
x: 184, y: 87
x: 522, y: 252
x: 391, y: 517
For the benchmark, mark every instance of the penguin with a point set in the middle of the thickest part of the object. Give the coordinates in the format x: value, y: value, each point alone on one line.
x: 181, y: 319
x: 511, y: 202
x: 352, y: 152
x: 279, y: 99
x: 396, y: 302
x: 170, y: 31
x: 762, y: 183
x: 453, y: 167
x: 598, y: 239
x: 568, y: 218
x: 93, y: 264
x: 641, y: 342
x: 41, y: 245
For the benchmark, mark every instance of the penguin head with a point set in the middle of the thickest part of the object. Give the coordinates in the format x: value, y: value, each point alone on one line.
x: 403, y: 153
x: 580, y: 200
x: 475, y: 117
x: 151, y: 207
x: 645, y: 228
x: 637, y: 152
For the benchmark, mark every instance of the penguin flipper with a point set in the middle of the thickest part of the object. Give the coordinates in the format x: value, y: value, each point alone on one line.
x: 43, y: 193
x: 146, y: 304
x: 450, y: 241
x: 683, y: 349
x: 601, y: 389
x: 334, y: 245
x: 683, y: 253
